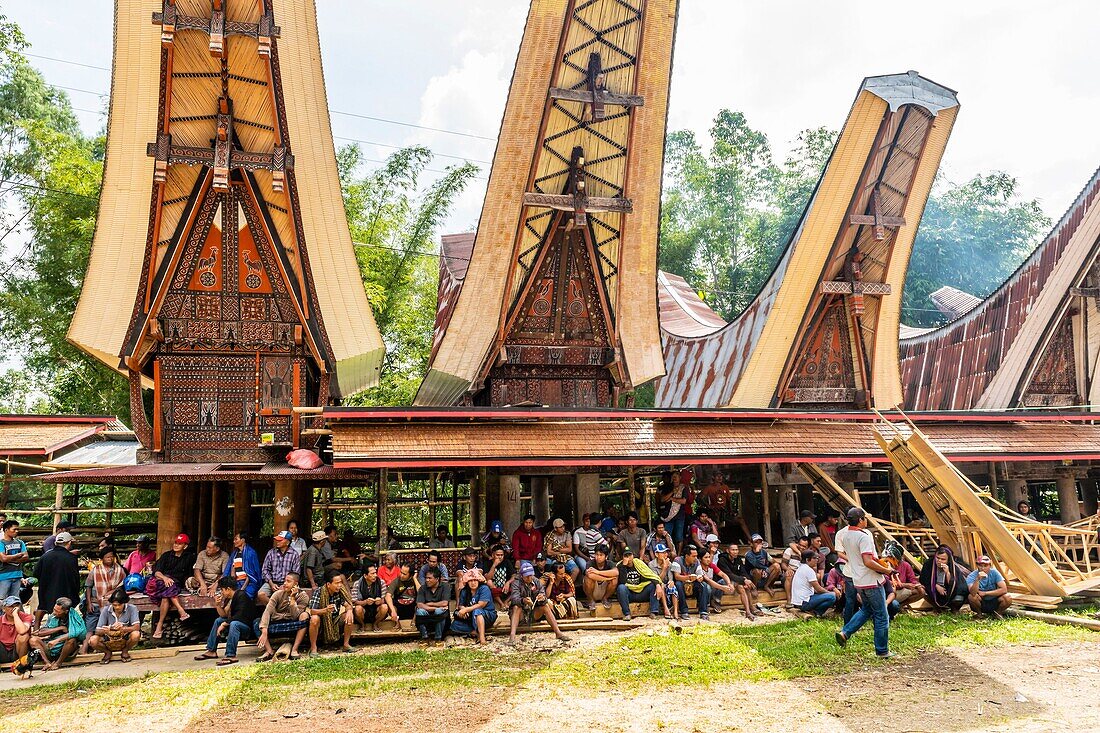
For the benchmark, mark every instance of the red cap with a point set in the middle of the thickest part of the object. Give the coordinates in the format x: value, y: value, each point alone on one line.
x: 182, y: 539
x: 686, y: 475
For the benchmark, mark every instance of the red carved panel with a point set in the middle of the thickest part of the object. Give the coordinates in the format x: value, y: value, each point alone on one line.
x: 1055, y: 380
x: 824, y: 372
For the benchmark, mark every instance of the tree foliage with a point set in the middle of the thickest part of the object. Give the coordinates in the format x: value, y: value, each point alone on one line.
x: 729, y: 211
x: 394, y: 230
x: 972, y: 237
x: 51, y: 177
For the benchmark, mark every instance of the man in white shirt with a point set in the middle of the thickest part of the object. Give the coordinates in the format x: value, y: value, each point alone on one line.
x: 807, y: 593
x: 868, y: 575
x: 849, y: 587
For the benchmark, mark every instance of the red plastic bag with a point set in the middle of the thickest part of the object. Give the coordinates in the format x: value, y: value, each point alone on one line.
x: 304, y: 459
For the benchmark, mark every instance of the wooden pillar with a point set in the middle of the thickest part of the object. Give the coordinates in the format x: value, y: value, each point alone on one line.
x: 788, y: 511
x: 433, y: 479
x: 562, y: 491
x: 58, y: 503
x: 1089, y: 494
x: 219, y: 509
x: 242, y: 505
x: 1068, y: 503
x: 509, y: 502
x: 202, y: 528
x: 284, y: 504
x: 190, y: 499
x: 588, y: 494
x: 383, y: 501
x: 110, y: 506
x: 850, y: 487
x: 993, y: 479
x: 748, y: 506
x: 306, y: 493
x: 1015, y: 492
x: 477, y: 506
x: 491, y: 480
x: 897, y: 503
x: 540, y: 499
x: 170, y: 517
x: 765, y: 494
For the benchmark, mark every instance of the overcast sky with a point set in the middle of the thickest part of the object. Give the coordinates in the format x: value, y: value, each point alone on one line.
x: 1025, y: 73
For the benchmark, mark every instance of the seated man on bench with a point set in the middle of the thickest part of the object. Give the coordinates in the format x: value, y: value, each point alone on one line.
x: 286, y: 613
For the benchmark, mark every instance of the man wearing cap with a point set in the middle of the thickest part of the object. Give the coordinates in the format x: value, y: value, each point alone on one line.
x: 279, y: 560
x: 601, y: 578
x: 495, y: 536
x: 528, y: 597
x: 313, y: 561
x: 637, y: 584
x: 209, y: 566
x: 632, y: 535
x: 466, y: 563
x: 169, y: 576
x: 526, y: 540
x: 802, y: 527
x: 661, y: 565
x: 763, y: 569
x: 558, y: 548
x: 987, y: 589
x: 868, y: 576
x: 13, y: 553
x: 58, y: 574
x: 15, y: 631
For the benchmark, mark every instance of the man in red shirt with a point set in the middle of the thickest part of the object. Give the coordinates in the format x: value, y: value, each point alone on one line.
x: 907, y: 587
x: 526, y: 541
x: 15, y: 631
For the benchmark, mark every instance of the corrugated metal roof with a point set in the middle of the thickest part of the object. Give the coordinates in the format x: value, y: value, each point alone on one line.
x: 954, y: 303
x: 99, y: 454
x: 682, y: 311
x: 957, y: 366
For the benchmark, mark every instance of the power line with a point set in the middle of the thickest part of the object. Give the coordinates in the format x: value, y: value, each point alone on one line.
x: 332, y: 111
x: 401, y: 147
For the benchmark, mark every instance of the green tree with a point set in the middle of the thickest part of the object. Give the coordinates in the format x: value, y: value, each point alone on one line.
x: 972, y: 237
x: 728, y: 212
x: 394, y: 231
x: 51, y: 177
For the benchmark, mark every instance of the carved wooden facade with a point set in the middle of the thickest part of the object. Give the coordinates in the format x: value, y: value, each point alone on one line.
x: 226, y: 322
x: 559, y: 306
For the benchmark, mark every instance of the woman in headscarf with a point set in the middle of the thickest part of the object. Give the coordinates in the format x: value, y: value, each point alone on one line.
x: 944, y: 580
x: 476, y: 611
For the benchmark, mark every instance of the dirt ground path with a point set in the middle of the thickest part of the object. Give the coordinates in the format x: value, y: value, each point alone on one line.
x: 1025, y: 688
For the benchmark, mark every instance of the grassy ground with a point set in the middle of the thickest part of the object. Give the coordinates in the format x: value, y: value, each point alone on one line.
x: 797, y: 648
x: 661, y: 657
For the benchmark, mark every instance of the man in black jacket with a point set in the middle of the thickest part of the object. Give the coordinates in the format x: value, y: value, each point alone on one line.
x: 236, y: 611
x: 58, y: 574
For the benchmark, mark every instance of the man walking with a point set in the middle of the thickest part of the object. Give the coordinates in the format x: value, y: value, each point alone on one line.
x: 868, y: 576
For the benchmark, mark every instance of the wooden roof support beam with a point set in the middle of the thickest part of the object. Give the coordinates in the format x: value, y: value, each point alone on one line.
x: 171, y: 21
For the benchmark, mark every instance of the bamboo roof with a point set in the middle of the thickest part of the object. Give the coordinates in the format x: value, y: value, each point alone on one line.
x: 135, y: 217
x: 543, y: 122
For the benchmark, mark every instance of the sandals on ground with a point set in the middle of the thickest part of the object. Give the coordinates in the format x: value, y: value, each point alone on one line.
x: 226, y: 661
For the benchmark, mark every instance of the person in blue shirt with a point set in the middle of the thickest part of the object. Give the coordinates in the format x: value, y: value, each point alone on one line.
x: 244, y: 565
x: 988, y: 591
x: 13, y: 553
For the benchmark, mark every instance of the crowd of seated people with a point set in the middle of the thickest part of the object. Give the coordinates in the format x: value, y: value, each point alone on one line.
x: 306, y: 594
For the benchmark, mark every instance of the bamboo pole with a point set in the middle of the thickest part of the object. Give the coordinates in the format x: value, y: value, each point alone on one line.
x: 58, y: 502
x: 765, y: 491
x: 383, y: 500
x: 1057, y: 619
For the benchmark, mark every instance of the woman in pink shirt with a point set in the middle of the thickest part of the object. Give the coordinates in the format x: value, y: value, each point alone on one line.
x: 143, y: 556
